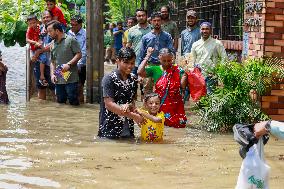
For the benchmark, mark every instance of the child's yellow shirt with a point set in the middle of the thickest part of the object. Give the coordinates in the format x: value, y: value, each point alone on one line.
x: 151, y: 131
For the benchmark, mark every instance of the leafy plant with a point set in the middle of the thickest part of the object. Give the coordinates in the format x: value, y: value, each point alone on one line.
x: 13, y: 14
x: 120, y: 9
x: 230, y: 101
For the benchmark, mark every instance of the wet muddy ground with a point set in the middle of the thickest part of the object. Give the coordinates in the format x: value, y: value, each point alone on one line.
x: 46, y: 145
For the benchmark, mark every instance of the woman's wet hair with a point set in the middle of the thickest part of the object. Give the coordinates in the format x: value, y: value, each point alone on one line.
x: 150, y: 95
x: 166, y: 51
x: 126, y: 53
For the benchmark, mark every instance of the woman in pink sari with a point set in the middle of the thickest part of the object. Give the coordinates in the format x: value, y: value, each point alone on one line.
x: 168, y: 86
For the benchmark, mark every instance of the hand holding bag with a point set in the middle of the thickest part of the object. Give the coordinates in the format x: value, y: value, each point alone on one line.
x: 254, y: 172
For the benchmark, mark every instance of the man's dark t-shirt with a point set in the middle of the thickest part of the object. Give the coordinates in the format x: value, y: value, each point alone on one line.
x: 122, y: 92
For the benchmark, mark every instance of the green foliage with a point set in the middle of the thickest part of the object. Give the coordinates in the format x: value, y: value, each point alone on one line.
x: 156, y: 6
x: 230, y: 101
x: 13, y: 14
x: 120, y: 9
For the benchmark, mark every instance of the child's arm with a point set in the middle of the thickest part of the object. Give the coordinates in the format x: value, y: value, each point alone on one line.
x: 120, y: 110
x: 141, y: 69
x: 149, y: 116
x: 32, y: 42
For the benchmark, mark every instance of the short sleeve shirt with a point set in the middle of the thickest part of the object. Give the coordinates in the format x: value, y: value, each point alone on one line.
x: 135, y: 35
x: 154, y: 71
x: 171, y: 28
x: 33, y: 34
x: 188, y: 37
x: 122, y: 92
x: 62, y: 52
x: 118, y: 39
x: 156, y: 41
x: 125, y: 35
x: 58, y: 13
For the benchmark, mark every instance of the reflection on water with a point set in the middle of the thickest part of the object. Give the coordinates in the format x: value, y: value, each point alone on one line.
x: 46, y: 145
x: 29, y: 180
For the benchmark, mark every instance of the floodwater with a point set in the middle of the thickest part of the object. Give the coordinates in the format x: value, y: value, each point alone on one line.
x: 46, y: 145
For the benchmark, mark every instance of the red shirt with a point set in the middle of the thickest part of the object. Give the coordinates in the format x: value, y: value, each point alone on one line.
x: 33, y: 34
x: 58, y: 13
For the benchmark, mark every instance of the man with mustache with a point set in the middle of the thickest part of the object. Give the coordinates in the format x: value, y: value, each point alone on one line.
x: 169, y: 26
x: 156, y: 39
x: 206, y: 52
x: 191, y: 33
x: 135, y: 34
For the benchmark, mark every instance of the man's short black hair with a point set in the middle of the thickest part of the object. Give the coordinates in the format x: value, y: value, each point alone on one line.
x: 131, y: 18
x: 31, y: 17
x: 77, y: 18
x: 142, y: 10
x: 55, y: 25
x: 119, y: 23
x: 155, y: 14
x: 167, y: 7
x: 126, y: 53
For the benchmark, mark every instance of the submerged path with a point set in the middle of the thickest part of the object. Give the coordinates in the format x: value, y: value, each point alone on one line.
x: 46, y: 145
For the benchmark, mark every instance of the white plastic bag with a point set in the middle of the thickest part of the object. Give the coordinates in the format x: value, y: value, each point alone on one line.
x: 254, y: 171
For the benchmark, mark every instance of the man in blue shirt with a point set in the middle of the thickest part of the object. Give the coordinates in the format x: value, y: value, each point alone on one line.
x: 79, y: 33
x: 118, y: 35
x: 156, y: 39
x: 191, y: 33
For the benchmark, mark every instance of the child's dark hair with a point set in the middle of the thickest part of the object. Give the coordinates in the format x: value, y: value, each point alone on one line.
x: 31, y: 17
x: 150, y: 95
x: 156, y: 14
x: 126, y: 53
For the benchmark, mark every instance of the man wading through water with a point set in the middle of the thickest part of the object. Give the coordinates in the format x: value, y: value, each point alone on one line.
x: 65, y: 53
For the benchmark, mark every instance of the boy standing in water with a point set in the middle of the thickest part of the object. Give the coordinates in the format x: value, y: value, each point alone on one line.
x: 117, y: 114
x: 56, y: 12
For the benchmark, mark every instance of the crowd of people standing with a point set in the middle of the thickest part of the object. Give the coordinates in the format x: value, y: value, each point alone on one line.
x: 148, y: 58
x: 58, y: 54
x: 146, y: 54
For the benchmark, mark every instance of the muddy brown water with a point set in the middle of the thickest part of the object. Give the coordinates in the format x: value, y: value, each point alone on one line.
x: 46, y: 145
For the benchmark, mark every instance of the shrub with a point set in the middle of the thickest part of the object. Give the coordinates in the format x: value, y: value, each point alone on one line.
x: 230, y: 102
